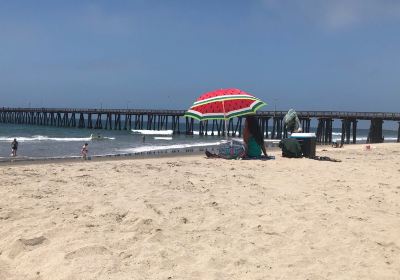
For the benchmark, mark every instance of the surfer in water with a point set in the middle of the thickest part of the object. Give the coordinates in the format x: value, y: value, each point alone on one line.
x: 96, y: 137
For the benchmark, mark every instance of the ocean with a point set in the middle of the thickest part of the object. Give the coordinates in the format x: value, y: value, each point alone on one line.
x: 46, y: 141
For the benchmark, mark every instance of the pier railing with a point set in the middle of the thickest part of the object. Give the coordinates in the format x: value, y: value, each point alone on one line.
x: 174, y: 120
x: 305, y: 114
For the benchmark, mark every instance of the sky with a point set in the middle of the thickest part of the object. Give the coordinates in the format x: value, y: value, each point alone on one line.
x: 163, y: 54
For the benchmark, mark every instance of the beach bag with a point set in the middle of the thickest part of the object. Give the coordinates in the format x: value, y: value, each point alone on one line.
x: 231, y: 150
x: 291, y: 148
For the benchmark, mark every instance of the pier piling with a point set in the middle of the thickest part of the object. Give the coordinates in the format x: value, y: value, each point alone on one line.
x: 348, y: 130
x: 99, y: 124
x: 375, y: 131
x: 355, y: 131
x: 343, y: 131
x: 175, y: 125
x: 189, y: 126
x: 89, y: 121
x: 398, y: 134
x: 324, y: 131
x: 81, y: 121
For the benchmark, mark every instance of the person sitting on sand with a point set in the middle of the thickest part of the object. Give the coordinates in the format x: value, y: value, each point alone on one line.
x: 85, y: 151
x: 253, y: 143
x: 253, y: 138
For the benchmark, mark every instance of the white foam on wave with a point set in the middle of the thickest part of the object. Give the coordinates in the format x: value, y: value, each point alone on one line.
x: 195, y: 132
x: 36, y: 138
x: 272, y: 140
x: 163, y: 138
x: 152, y: 132
x: 177, y: 146
x: 364, y: 138
x: 103, y: 138
x: 45, y: 138
x: 231, y: 133
x: 241, y: 141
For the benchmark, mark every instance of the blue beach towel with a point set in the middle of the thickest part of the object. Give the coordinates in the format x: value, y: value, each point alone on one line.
x: 231, y: 150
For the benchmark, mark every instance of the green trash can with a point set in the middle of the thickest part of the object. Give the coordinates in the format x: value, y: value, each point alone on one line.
x: 307, y: 142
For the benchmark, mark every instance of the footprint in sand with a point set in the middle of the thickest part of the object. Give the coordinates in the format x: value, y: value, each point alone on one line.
x: 8, y: 214
x: 23, y: 245
x: 144, y: 226
x: 4, y: 271
x: 88, y: 251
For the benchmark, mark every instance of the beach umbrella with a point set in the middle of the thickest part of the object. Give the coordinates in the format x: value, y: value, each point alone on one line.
x: 224, y: 104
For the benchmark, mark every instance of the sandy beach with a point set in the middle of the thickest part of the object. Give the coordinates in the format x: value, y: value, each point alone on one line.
x: 197, y: 218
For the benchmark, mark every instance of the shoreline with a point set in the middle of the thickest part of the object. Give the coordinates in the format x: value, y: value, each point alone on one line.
x: 123, y: 156
x: 161, y: 153
x: 167, y: 153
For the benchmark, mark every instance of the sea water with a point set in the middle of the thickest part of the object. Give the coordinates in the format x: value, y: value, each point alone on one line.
x: 45, y: 141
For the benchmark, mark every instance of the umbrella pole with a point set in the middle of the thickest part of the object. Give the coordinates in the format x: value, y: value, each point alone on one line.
x: 226, y: 121
x: 226, y: 129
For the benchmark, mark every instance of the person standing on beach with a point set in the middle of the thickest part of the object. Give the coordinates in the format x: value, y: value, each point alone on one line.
x: 85, y: 151
x: 14, y: 147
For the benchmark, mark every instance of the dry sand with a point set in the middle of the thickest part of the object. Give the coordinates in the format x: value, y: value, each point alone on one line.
x: 198, y: 218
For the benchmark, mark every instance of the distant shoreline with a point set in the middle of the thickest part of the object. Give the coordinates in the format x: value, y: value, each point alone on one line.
x: 138, y: 155
x: 122, y: 156
x: 172, y: 153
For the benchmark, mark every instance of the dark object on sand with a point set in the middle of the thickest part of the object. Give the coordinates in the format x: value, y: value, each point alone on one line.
x: 291, y: 148
x: 336, y: 144
x: 326, y: 159
x: 211, y: 155
x: 307, y: 142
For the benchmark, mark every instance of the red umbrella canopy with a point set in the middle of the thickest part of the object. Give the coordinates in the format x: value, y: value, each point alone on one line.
x: 224, y: 104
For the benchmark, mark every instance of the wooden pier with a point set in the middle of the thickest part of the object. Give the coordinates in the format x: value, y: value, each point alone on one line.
x: 128, y: 119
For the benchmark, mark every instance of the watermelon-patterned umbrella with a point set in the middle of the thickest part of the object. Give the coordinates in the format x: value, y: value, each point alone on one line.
x: 224, y: 104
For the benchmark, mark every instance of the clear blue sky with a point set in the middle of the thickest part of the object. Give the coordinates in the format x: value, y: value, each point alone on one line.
x: 306, y: 54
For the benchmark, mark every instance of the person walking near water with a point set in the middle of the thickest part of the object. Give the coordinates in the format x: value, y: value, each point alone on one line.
x: 85, y: 151
x: 14, y: 147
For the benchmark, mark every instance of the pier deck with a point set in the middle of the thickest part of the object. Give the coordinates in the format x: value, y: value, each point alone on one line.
x: 174, y: 120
